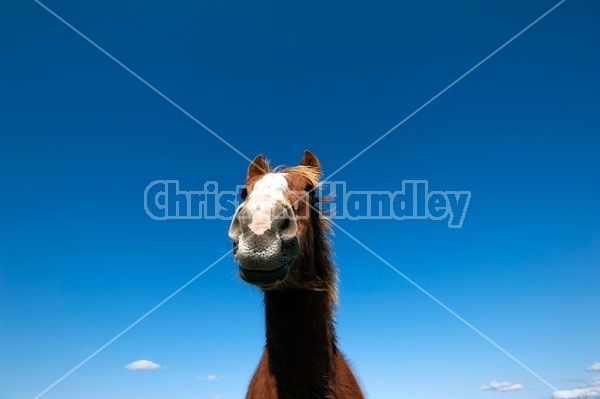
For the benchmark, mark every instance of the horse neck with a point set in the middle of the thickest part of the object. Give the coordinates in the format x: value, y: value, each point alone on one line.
x: 300, y: 342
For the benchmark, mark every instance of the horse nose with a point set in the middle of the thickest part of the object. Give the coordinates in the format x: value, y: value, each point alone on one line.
x: 280, y: 221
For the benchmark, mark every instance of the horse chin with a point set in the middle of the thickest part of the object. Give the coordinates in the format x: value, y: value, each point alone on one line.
x: 266, y: 280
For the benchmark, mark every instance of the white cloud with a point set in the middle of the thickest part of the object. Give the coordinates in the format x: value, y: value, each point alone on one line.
x: 142, y: 365
x: 501, y: 386
x: 588, y: 391
x: 212, y: 377
x: 579, y: 393
x: 594, y: 367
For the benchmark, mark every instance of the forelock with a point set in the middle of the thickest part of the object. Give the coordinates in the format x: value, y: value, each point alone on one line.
x: 308, y: 172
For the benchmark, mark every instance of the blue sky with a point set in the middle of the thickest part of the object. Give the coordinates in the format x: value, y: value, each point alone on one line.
x: 81, y: 139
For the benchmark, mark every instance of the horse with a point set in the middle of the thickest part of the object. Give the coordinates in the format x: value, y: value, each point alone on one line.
x: 281, y: 245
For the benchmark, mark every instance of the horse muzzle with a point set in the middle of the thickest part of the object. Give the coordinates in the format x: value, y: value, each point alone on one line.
x: 264, y: 260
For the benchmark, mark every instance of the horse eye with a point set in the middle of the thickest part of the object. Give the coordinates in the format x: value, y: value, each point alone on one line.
x: 244, y: 193
x: 309, y: 188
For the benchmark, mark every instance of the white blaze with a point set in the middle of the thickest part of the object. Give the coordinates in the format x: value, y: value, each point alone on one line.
x: 268, y: 191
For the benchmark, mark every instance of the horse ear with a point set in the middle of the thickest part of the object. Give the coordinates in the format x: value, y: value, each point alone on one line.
x: 258, y: 167
x: 309, y: 159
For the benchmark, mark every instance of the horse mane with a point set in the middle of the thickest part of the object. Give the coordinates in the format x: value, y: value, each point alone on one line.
x: 320, y: 248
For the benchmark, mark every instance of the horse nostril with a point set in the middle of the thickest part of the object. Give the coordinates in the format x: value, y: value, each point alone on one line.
x: 285, y: 224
